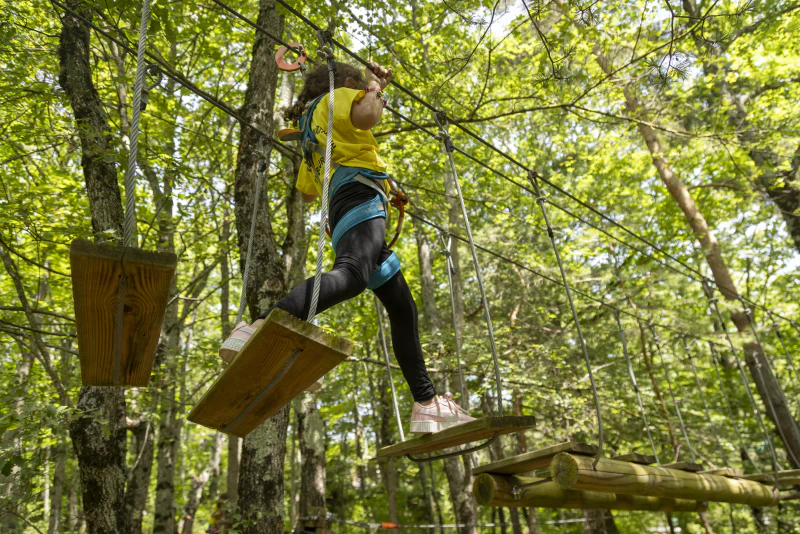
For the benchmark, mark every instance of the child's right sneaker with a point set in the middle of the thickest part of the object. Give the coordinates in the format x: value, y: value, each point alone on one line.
x: 442, y: 413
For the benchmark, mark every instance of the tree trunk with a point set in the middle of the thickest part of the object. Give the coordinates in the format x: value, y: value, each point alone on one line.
x: 311, y: 434
x: 427, y: 491
x: 600, y: 522
x: 75, y: 520
x: 59, y: 458
x: 388, y: 465
x: 198, y: 482
x: 430, y: 315
x: 768, y: 387
x: 137, y: 492
x: 98, y: 428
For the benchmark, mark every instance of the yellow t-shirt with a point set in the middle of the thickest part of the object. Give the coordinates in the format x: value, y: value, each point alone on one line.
x: 352, y: 147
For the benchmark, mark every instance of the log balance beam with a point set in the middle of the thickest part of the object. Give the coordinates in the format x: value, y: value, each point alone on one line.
x: 573, y: 472
x: 498, y: 490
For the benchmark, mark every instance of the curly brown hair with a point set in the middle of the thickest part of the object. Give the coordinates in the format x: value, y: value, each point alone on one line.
x: 316, y: 84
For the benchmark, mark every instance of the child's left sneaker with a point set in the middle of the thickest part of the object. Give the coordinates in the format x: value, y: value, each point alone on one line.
x: 236, y: 341
x: 442, y: 413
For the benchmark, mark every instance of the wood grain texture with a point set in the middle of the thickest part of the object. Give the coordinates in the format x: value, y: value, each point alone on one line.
x: 613, y: 476
x: 244, y: 379
x: 641, y: 459
x: 498, y: 490
x: 96, y: 272
x: 480, y: 429
x: 530, y: 461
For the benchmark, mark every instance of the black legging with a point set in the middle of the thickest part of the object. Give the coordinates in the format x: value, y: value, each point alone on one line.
x: 358, y: 251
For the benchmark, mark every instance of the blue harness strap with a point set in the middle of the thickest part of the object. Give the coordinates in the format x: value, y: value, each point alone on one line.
x: 384, y: 272
x: 363, y: 212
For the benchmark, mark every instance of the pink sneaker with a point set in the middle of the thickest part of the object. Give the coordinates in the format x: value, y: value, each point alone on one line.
x: 231, y: 347
x: 442, y: 413
x: 243, y: 332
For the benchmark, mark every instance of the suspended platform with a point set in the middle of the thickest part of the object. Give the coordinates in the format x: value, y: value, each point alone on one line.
x: 564, y: 476
x: 117, y: 345
x: 518, y: 491
x: 282, y: 359
x: 485, y: 428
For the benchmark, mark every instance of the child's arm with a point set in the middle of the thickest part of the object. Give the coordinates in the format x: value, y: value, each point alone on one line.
x: 367, y: 112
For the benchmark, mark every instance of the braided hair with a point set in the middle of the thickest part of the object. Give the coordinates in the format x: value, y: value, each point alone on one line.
x: 317, y: 84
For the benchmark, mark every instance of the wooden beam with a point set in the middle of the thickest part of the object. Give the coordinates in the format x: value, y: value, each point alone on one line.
x: 785, y: 478
x: 724, y: 472
x: 478, y: 430
x: 530, y: 461
x: 251, y: 389
x: 109, y: 359
x: 684, y: 466
x: 498, y: 490
x: 577, y: 472
x: 641, y: 459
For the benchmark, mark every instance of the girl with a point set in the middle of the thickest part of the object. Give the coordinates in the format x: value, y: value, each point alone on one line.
x: 357, y: 218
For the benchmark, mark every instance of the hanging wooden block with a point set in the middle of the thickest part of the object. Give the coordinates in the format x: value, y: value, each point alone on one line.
x: 281, y: 360
x: 480, y: 429
x: 116, y: 347
x: 495, y: 490
x: 530, y: 461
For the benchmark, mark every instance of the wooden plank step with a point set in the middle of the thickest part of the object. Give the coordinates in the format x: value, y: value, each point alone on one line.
x: 785, y: 478
x: 530, y: 461
x: 480, y: 429
x: 724, y: 472
x: 109, y: 359
x: 250, y: 389
x: 635, y: 458
x: 691, y: 467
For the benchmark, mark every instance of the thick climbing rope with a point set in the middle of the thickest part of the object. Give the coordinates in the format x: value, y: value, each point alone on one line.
x: 451, y: 270
x: 382, y: 335
x: 703, y: 399
x: 441, y: 121
x: 635, y: 385
x: 129, y: 231
x: 542, y: 200
x: 327, y: 52
x: 657, y: 341
x: 731, y: 417
x: 713, y: 301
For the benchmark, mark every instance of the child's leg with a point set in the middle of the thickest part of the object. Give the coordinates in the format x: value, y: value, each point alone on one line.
x: 356, y: 255
x: 396, y: 298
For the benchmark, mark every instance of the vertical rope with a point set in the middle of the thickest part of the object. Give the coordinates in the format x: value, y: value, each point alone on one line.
x: 326, y: 51
x: 657, y: 341
x: 789, y: 358
x: 441, y: 121
x: 757, y: 366
x: 714, y: 303
x: 451, y: 269
x: 703, y: 398
x: 388, y: 368
x: 129, y: 231
x: 542, y: 200
x: 635, y: 385
x: 731, y: 418
x: 262, y: 167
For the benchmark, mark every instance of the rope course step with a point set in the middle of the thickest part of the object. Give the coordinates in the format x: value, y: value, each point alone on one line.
x: 480, y: 429
x: 724, y: 472
x: 120, y: 296
x: 781, y: 478
x: 530, y: 461
x: 495, y: 490
x: 691, y: 467
x: 635, y: 458
x: 282, y: 359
